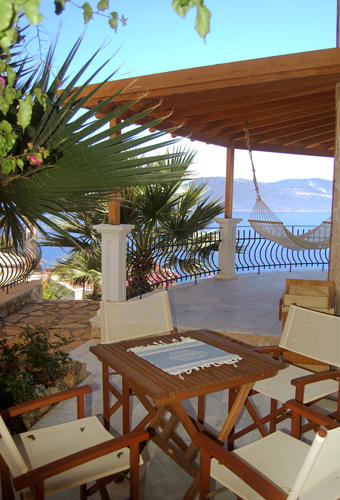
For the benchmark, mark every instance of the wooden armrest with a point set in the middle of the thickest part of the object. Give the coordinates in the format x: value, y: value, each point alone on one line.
x: 244, y: 471
x: 79, y: 458
x: 315, y: 377
x: 77, y: 392
x: 310, y: 414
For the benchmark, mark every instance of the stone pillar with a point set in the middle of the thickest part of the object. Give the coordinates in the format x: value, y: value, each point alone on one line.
x: 227, y: 248
x: 113, y: 260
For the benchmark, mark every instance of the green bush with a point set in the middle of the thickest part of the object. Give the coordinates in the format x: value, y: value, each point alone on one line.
x: 30, y: 365
x: 52, y: 290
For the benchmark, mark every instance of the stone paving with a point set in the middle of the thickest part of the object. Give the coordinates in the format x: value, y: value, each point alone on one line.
x: 68, y: 318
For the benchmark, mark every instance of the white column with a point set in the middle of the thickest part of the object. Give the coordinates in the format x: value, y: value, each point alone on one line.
x: 114, y: 260
x: 227, y: 248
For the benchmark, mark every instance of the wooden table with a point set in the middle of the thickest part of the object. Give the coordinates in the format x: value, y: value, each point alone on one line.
x: 168, y: 391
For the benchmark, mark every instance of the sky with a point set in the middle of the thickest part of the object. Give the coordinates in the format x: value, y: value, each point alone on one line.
x: 157, y: 40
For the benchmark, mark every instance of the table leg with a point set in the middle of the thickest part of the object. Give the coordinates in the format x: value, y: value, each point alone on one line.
x: 234, y: 412
x: 106, y: 395
x: 126, y: 391
x: 200, y: 409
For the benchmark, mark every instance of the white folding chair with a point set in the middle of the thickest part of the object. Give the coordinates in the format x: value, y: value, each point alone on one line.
x: 276, y: 467
x: 312, y: 334
x: 53, y: 459
x: 150, y: 315
x: 135, y: 318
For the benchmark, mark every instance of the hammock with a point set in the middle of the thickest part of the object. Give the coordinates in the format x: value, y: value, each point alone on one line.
x: 267, y: 224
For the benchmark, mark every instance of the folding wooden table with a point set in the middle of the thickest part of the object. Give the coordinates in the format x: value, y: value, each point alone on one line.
x: 167, y: 392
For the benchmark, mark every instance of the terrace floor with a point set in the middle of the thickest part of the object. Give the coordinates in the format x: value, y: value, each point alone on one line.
x: 246, y: 309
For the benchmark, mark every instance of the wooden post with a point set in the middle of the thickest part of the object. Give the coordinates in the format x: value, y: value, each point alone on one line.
x: 229, y: 182
x: 114, y: 201
x: 334, y: 258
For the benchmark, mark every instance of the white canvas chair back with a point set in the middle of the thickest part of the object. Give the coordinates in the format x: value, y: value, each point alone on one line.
x: 10, y: 452
x: 322, y: 463
x: 135, y: 318
x: 312, y: 334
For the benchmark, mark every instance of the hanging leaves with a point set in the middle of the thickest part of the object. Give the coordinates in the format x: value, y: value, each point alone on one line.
x: 203, y: 15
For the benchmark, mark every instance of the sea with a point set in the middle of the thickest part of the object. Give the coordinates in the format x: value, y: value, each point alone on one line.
x: 308, y: 220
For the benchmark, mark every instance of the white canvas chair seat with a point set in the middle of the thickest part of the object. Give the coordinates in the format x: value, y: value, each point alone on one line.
x: 276, y: 467
x: 31, y: 452
x: 312, y: 334
x: 150, y: 315
x: 281, y: 389
x: 279, y: 457
x: 52, y: 443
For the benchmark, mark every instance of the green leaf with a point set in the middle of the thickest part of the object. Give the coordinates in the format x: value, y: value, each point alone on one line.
x: 42, y: 97
x: 11, y: 75
x: 202, y: 25
x: 103, y: 5
x: 25, y: 111
x: 113, y: 22
x: 10, y: 37
x: 31, y: 8
x: 88, y: 14
x: 8, y: 165
x: 5, y: 126
x: 2, y: 66
x: 4, y: 104
x: 20, y: 163
x: 6, y: 14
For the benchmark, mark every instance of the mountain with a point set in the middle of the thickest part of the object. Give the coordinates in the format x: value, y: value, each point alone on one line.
x: 290, y: 195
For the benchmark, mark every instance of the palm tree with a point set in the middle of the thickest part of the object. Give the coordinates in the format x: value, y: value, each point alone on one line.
x: 66, y: 160
x: 172, y: 213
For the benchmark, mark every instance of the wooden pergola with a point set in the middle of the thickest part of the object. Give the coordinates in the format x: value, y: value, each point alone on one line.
x: 290, y: 103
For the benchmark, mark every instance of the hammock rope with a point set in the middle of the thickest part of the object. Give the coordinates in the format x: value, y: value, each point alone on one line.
x: 263, y: 220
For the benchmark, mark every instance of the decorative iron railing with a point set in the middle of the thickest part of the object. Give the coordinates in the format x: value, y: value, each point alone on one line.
x: 160, y: 259
x: 16, y: 266
x: 253, y: 252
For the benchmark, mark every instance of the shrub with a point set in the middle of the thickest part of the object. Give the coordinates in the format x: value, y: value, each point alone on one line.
x: 52, y: 290
x: 29, y: 365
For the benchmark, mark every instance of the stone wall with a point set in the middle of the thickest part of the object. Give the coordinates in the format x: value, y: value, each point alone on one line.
x: 18, y: 300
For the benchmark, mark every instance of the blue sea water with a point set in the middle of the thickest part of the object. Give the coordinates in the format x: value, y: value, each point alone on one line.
x: 307, y: 219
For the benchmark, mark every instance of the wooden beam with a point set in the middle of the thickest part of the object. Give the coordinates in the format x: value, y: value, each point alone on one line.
x: 229, y: 182
x: 114, y: 200
x: 278, y: 68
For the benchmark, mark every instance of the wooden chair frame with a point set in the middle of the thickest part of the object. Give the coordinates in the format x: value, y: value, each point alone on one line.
x: 269, y: 491
x: 34, y: 479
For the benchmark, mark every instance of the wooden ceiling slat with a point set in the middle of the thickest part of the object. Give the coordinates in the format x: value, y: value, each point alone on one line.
x: 270, y: 118
x: 248, y: 113
x: 230, y: 106
x: 237, y: 132
x: 295, y: 139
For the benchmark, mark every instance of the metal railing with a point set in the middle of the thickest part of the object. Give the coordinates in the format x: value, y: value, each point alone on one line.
x: 253, y: 252
x: 160, y: 259
x: 16, y: 266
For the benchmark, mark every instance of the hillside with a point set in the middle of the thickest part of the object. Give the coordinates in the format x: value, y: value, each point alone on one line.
x: 291, y: 195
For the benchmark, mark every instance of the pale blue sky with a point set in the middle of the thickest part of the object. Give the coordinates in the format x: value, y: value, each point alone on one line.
x: 157, y: 40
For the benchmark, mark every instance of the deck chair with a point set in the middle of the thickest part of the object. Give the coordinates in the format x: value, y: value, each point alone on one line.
x: 44, y: 461
x: 276, y: 467
x: 314, y: 335
x: 125, y: 320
